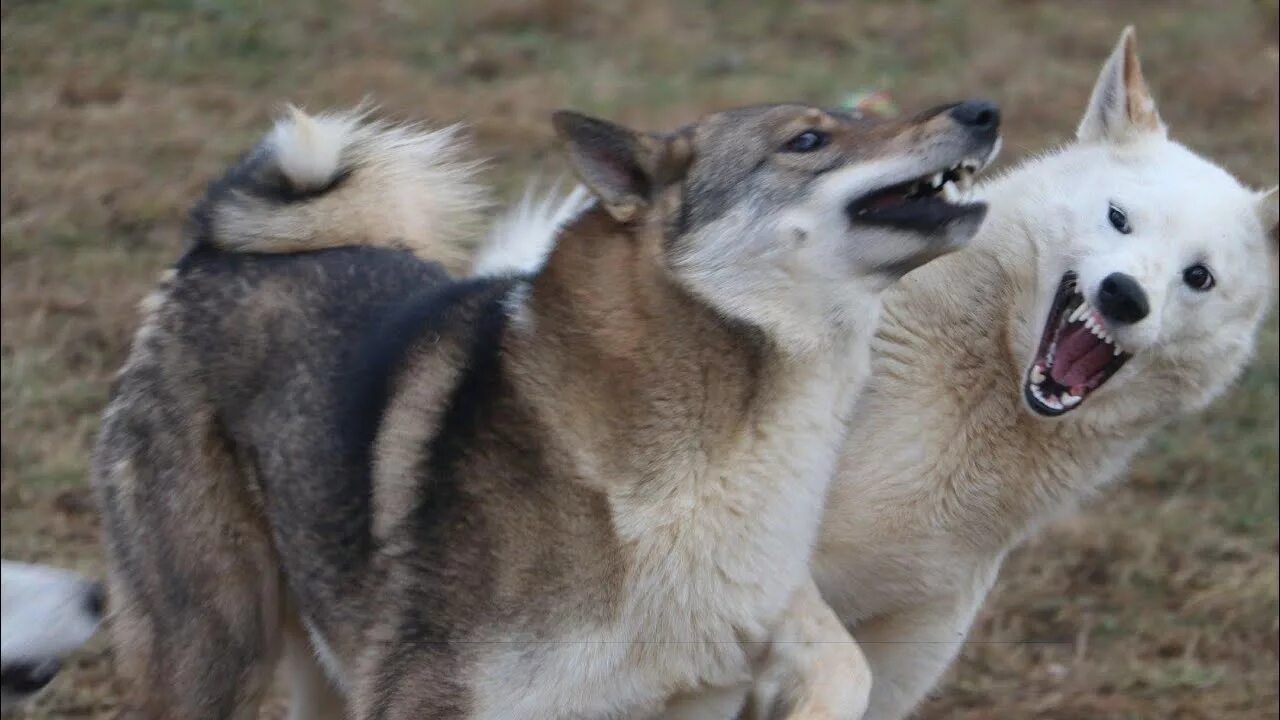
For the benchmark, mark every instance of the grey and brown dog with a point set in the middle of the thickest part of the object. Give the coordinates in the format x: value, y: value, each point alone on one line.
x: 580, y: 493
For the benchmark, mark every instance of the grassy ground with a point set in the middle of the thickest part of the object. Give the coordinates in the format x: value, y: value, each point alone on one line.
x: 1157, y: 601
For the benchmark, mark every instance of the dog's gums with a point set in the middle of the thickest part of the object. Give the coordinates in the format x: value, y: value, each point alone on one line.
x: 1076, y: 355
x: 924, y: 203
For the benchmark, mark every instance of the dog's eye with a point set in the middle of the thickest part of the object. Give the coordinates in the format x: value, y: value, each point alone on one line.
x: 1198, y: 277
x: 807, y: 141
x: 1118, y: 219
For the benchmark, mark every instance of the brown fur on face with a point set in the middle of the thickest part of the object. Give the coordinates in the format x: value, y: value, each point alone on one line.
x: 771, y: 230
x: 628, y: 170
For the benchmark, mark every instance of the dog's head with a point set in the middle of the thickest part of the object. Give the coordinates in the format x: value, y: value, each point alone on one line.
x: 786, y: 217
x: 47, y: 614
x: 1155, y: 265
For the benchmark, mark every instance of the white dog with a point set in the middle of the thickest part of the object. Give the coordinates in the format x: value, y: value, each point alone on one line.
x: 47, y: 614
x: 1118, y: 282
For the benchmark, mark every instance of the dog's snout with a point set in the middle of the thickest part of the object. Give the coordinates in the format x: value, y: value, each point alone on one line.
x: 981, y: 115
x: 27, y: 678
x: 1122, y: 299
x: 95, y: 600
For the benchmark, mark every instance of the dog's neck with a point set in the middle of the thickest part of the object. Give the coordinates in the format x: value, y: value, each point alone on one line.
x: 628, y: 352
x: 687, y: 421
x: 641, y: 365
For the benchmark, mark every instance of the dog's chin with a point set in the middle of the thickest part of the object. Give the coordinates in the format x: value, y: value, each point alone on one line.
x: 1076, y: 357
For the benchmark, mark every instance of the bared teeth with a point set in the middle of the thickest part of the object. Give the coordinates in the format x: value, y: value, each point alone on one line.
x: 951, y: 192
x: 1050, y: 394
x: 1037, y: 375
x: 954, y: 184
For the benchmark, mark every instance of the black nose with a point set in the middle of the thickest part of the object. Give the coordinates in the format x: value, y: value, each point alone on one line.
x: 95, y: 600
x: 1122, y: 299
x: 977, y: 114
x: 25, y: 678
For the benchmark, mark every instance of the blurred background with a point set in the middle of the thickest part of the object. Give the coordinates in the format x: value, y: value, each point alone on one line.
x: 1157, y: 600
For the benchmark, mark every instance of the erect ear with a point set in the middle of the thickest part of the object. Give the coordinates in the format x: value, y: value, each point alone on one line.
x: 1268, y: 207
x: 624, y: 168
x: 1121, y: 107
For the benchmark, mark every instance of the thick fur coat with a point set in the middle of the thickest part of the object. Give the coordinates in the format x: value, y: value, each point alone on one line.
x: 573, y: 494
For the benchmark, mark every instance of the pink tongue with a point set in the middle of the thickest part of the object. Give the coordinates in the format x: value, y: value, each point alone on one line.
x: 1080, y: 356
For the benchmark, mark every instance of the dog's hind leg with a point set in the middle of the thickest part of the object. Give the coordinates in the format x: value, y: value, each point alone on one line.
x: 194, y: 581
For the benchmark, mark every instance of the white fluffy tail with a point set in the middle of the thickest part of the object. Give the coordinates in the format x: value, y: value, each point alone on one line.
x: 523, y: 236
x: 340, y: 179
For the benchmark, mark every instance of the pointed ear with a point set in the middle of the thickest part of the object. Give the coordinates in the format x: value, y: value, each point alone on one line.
x: 1268, y: 207
x: 1121, y: 107
x: 624, y: 168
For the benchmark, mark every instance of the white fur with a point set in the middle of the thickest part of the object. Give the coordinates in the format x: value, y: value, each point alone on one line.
x: 314, y: 677
x: 326, y: 659
x: 521, y: 238
x: 46, y: 617
x: 393, y: 185
x: 309, y: 149
x: 716, y: 561
x: 800, y: 275
x: 946, y: 469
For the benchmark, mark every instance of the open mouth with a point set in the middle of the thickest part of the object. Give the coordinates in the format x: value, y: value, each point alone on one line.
x: 1077, y: 354
x: 923, y: 204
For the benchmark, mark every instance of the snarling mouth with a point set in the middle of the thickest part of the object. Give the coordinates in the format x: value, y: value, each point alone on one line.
x: 1077, y: 354
x: 923, y: 204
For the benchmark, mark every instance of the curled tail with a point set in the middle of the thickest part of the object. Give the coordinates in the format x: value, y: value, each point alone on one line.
x: 341, y: 179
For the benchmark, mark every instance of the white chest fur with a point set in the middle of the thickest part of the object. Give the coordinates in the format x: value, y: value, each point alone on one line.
x: 712, y: 563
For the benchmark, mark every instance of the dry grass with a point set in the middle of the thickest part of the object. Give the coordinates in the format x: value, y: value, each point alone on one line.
x: 1158, y: 601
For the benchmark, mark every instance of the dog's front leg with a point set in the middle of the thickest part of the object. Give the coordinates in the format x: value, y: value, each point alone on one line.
x: 813, y: 670
x: 911, y: 648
